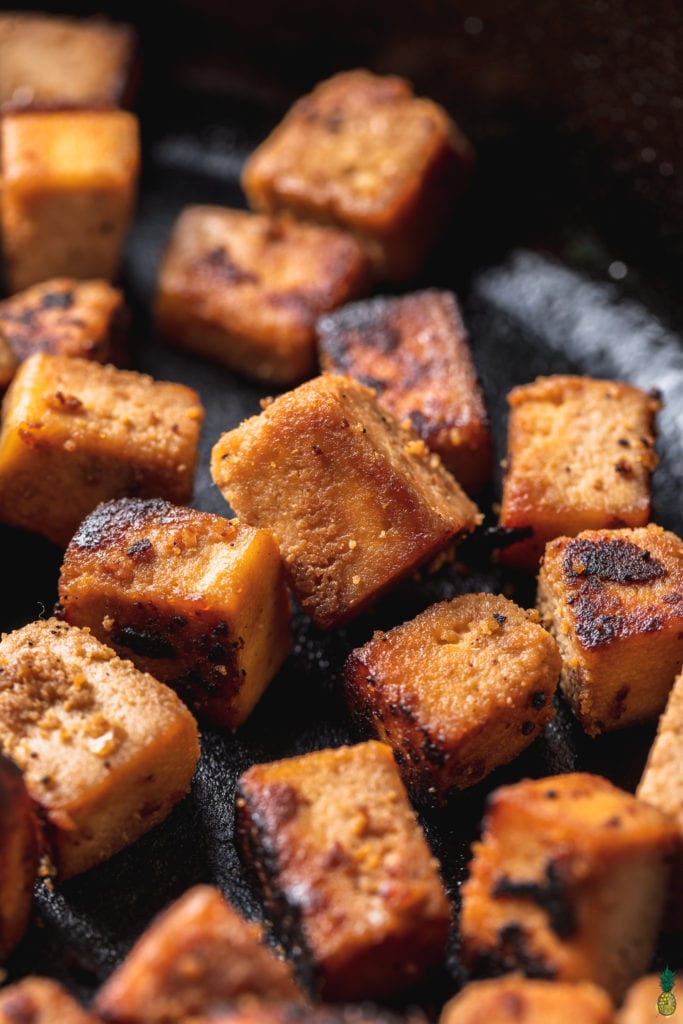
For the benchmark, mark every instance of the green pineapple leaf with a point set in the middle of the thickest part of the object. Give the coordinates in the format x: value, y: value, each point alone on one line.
x: 667, y: 979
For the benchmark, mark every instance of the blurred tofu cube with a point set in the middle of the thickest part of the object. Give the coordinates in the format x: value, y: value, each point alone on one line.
x: 19, y: 849
x: 515, y: 1000
x: 413, y: 351
x: 345, y: 869
x: 580, y: 457
x: 245, y: 289
x: 354, y: 501
x: 106, y: 750
x: 196, y: 957
x: 640, y: 1003
x: 462, y: 688
x: 249, y: 1011
x: 8, y: 362
x: 40, y: 1001
x: 69, y: 181
x: 362, y: 152
x: 567, y: 883
x: 75, y: 433
x: 613, y: 601
x: 196, y: 600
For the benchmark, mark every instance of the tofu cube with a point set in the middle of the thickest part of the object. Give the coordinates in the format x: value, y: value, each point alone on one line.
x: 457, y: 691
x: 245, y: 289
x: 8, y: 362
x: 195, y: 957
x: 57, y: 60
x: 19, y: 848
x: 249, y: 1011
x: 515, y: 1000
x: 612, y: 599
x: 640, y: 1004
x: 40, y: 1001
x: 196, y: 600
x: 345, y: 869
x: 567, y: 883
x: 413, y: 350
x: 75, y: 433
x: 69, y: 180
x: 362, y: 152
x: 106, y: 750
x: 580, y: 457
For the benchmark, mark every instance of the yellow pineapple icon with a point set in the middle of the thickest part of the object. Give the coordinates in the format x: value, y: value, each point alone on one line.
x: 666, y: 1004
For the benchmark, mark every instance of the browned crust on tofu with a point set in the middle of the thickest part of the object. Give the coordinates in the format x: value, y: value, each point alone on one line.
x: 515, y: 1000
x: 19, y: 849
x: 40, y: 1001
x: 413, y: 350
x: 345, y: 869
x: 355, y: 502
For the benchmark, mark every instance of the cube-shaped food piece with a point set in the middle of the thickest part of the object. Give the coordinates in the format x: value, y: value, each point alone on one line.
x: 515, y: 1000
x: 40, y: 1001
x: 345, y: 869
x: 245, y: 289
x: 568, y: 882
x: 361, y: 151
x: 613, y: 600
x: 75, y: 433
x: 106, y: 750
x: 457, y: 691
x: 196, y: 600
x: 580, y: 457
x: 69, y: 180
x: 249, y: 1011
x: 355, y: 502
x: 19, y: 849
x: 196, y: 957
x: 413, y: 351
x: 57, y: 60
x: 640, y: 1003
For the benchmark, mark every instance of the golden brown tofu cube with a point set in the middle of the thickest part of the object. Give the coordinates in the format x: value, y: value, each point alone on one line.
x: 580, y: 456
x: 245, y: 289
x: 196, y: 600
x: 457, y: 691
x: 355, y: 502
x: 568, y: 882
x: 413, y: 351
x: 46, y: 59
x: 69, y: 180
x: 75, y: 433
x: 640, y: 1004
x: 19, y: 848
x: 196, y: 957
x: 106, y: 750
x: 361, y: 151
x: 345, y: 869
x: 8, y: 363
x: 515, y: 1000
x: 40, y: 1001
x: 612, y: 599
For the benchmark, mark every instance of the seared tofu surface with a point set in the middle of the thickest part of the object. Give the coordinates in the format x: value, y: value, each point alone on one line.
x: 40, y: 1001
x: 516, y: 1000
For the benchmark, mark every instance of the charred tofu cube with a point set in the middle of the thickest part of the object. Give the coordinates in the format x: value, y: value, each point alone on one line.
x: 413, y: 351
x: 245, y: 289
x: 106, y: 750
x: 515, y: 1000
x: 69, y: 179
x: 196, y: 600
x: 345, y: 869
x: 567, y: 883
x: 75, y: 433
x: 580, y: 456
x: 57, y: 60
x: 19, y: 849
x: 355, y: 502
x: 613, y: 600
x: 196, y: 957
x: 457, y: 691
x: 362, y: 152
x: 40, y: 1001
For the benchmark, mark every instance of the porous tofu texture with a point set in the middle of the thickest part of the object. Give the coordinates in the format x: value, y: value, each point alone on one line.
x: 640, y: 1003
x: 354, y: 501
x: 567, y: 883
x: 245, y: 289
x: 69, y: 180
x: 345, y: 869
x: 40, y: 1001
x: 613, y: 599
x: 413, y: 351
x: 18, y: 856
x: 75, y: 433
x: 195, y: 958
x: 515, y: 1000
x: 457, y: 691
x: 106, y: 750
x: 361, y: 151
x: 580, y: 457
x: 198, y: 601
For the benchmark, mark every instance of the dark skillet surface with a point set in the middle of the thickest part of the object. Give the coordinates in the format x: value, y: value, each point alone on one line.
x: 531, y: 270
